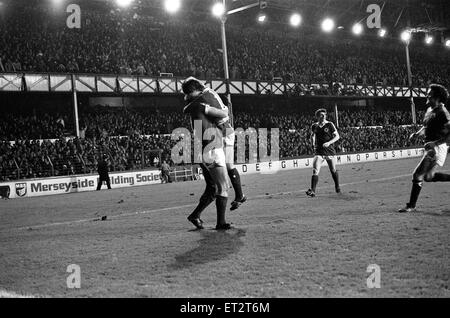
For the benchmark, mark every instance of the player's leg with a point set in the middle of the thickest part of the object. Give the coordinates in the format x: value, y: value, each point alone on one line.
x: 218, y: 171
x: 426, y: 167
x: 108, y: 182
x: 219, y: 175
x: 317, y: 163
x: 99, y: 184
x: 206, y: 199
x: 233, y: 174
x: 235, y: 179
x: 440, y: 177
x: 331, y: 160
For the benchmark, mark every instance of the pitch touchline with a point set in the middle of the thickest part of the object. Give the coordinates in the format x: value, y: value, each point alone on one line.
x: 193, y: 205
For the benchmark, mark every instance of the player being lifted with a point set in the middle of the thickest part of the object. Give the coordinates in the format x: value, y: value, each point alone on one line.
x: 213, y: 156
x: 436, y: 130
x: 211, y: 98
x: 324, y: 135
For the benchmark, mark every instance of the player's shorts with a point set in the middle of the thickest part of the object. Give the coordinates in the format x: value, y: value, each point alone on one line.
x: 214, y: 158
x: 438, y: 154
x: 325, y: 157
x: 228, y: 141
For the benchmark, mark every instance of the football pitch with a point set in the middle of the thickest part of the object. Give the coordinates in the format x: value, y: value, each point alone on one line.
x: 283, y: 243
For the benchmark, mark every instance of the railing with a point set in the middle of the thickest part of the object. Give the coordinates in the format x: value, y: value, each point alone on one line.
x: 129, y: 84
x: 182, y: 175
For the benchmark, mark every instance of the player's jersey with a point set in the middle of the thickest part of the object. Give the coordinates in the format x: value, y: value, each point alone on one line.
x: 324, y: 134
x: 196, y: 110
x: 434, y: 122
x: 213, y: 99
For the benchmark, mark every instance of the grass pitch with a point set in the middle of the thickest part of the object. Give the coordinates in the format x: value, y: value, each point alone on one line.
x: 283, y: 244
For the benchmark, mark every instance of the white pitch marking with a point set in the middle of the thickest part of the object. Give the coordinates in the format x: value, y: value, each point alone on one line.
x: 99, y: 218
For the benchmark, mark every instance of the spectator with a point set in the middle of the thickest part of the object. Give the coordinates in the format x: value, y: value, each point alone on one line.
x: 103, y: 173
x: 165, y: 172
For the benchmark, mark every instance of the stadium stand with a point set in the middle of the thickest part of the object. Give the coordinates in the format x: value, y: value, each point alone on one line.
x: 125, y: 43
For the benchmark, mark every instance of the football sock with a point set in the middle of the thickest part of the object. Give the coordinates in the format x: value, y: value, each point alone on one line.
x: 204, y: 202
x: 415, y: 191
x: 221, y: 205
x: 335, y: 176
x: 441, y: 177
x: 314, y: 181
x: 236, y: 182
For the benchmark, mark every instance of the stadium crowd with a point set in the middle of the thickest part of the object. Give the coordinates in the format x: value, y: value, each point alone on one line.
x: 35, y: 158
x: 127, y: 43
x: 131, y: 139
x: 100, y: 123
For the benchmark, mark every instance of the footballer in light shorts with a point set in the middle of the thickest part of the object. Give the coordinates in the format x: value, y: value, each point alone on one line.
x: 211, y: 98
x: 436, y: 130
x: 214, y: 165
x: 324, y: 135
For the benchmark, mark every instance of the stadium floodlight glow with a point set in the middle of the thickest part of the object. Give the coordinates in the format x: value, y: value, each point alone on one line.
x: 56, y: 3
x: 172, y: 6
x: 382, y: 33
x: 447, y: 43
x: 357, y: 28
x: 262, y: 18
x: 328, y: 25
x: 218, y: 9
x: 429, y: 40
x: 406, y: 36
x: 295, y: 20
x: 124, y: 3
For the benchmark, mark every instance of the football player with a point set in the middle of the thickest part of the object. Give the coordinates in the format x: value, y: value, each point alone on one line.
x: 436, y: 130
x: 211, y: 98
x: 213, y: 155
x: 324, y: 135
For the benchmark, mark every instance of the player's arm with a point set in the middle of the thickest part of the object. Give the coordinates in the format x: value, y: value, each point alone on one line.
x: 215, y: 112
x: 419, y: 133
x: 188, y: 109
x: 313, y: 138
x: 204, y: 108
x: 336, y: 137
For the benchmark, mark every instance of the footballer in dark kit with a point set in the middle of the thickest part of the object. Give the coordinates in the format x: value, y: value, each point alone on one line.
x: 323, y: 136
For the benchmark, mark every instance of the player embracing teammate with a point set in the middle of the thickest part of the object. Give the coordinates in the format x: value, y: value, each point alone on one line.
x: 211, y: 98
x: 205, y: 105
